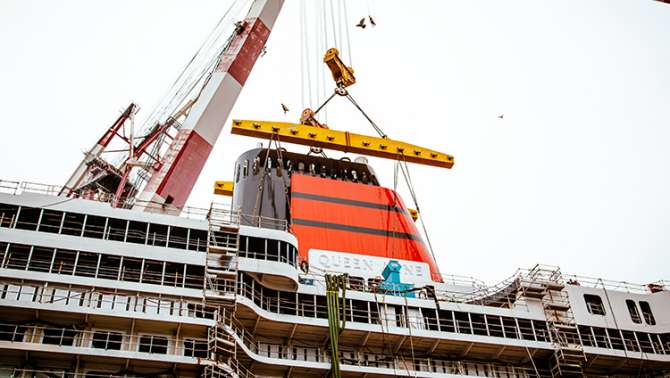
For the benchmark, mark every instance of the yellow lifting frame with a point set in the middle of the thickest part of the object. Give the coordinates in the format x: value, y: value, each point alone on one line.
x: 342, y: 141
x: 224, y: 188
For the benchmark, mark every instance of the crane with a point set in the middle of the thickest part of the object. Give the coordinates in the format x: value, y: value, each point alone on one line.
x: 171, y: 154
x: 172, y: 181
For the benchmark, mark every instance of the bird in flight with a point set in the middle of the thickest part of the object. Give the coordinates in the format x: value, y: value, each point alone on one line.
x: 372, y: 21
x: 284, y: 108
x: 501, y: 116
x: 361, y: 23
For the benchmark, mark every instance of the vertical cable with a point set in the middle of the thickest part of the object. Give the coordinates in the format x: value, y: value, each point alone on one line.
x: 302, y: 53
x: 306, y: 55
x: 346, y: 29
x: 332, y: 20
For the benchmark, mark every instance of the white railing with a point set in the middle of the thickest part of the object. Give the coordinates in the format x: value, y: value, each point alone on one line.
x: 628, y: 287
x: 222, y: 211
x: 223, y: 214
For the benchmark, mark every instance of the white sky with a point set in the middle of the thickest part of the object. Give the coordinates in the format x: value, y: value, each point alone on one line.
x: 574, y: 175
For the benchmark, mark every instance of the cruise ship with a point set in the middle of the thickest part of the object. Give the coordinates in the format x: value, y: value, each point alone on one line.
x: 308, y: 267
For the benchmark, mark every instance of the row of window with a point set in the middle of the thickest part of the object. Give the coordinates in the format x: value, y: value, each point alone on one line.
x: 97, y: 227
x: 97, y: 265
x: 100, y: 339
x: 315, y: 306
x: 268, y: 249
x: 92, y: 226
x: 631, y: 341
x: 365, y: 357
x: 308, y: 305
x: 85, y: 297
x: 595, y: 306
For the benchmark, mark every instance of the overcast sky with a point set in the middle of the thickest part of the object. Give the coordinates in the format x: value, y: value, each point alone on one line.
x: 575, y: 174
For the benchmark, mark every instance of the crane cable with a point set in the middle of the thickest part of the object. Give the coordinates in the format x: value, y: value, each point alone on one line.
x: 408, y: 179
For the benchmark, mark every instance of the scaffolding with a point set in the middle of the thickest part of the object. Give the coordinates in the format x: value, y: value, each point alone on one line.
x: 545, y: 283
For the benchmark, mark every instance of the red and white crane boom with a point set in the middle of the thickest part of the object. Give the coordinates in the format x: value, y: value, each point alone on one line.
x: 172, y: 181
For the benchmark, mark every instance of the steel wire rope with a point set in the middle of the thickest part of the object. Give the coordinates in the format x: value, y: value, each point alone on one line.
x: 209, y: 40
x: 408, y: 179
x: 332, y: 21
x: 374, y: 125
x: 192, y: 74
x: 324, y: 26
x: 532, y: 361
x: 346, y: 29
x: 302, y: 53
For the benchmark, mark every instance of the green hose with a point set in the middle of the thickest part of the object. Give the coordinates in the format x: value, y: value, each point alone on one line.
x: 337, y: 317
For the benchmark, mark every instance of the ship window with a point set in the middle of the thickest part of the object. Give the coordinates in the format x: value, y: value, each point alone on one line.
x: 107, y: 340
x: 197, y: 240
x: 257, y: 248
x: 237, y: 173
x: 430, y: 318
x: 600, y: 337
x: 197, y: 310
x: 526, y: 329
x: 10, y: 332
x: 28, y: 218
x: 306, y: 305
x: 87, y: 264
x: 73, y: 224
x: 64, y: 261
x: 153, y: 272
x: 322, y: 307
x: 40, y: 260
x: 272, y: 250
x: 646, y: 313
x: 8, y: 214
x: 644, y: 342
x: 95, y: 227
x: 174, y: 274
x: 109, y: 267
x: 242, y: 249
x: 478, y: 325
x: 194, y: 276
x: 615, y: 339
x: 131, y: 269
x: 195, y: 348
x: 58, y: 336
x: 585, y: 336
x: 509, y: 326
x: 462, y: 322
x: 51, y: 221
x: 541, y: 330
x: 158, y: 235
x: 17, y: 256
x: 153, y: 344
x: 116, y: 229
x: 632, y: 310
x: 594, y: 304
x: 495, y: 325
x: 178, y: 236
x: 629, y: 341
x: 137, y: 232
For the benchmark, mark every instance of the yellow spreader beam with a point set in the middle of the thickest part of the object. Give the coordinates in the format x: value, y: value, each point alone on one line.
x: 224, y: 188
x: 342, y: 141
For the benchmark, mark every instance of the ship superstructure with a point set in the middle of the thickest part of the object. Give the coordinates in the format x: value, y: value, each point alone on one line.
x: 313, y: 269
